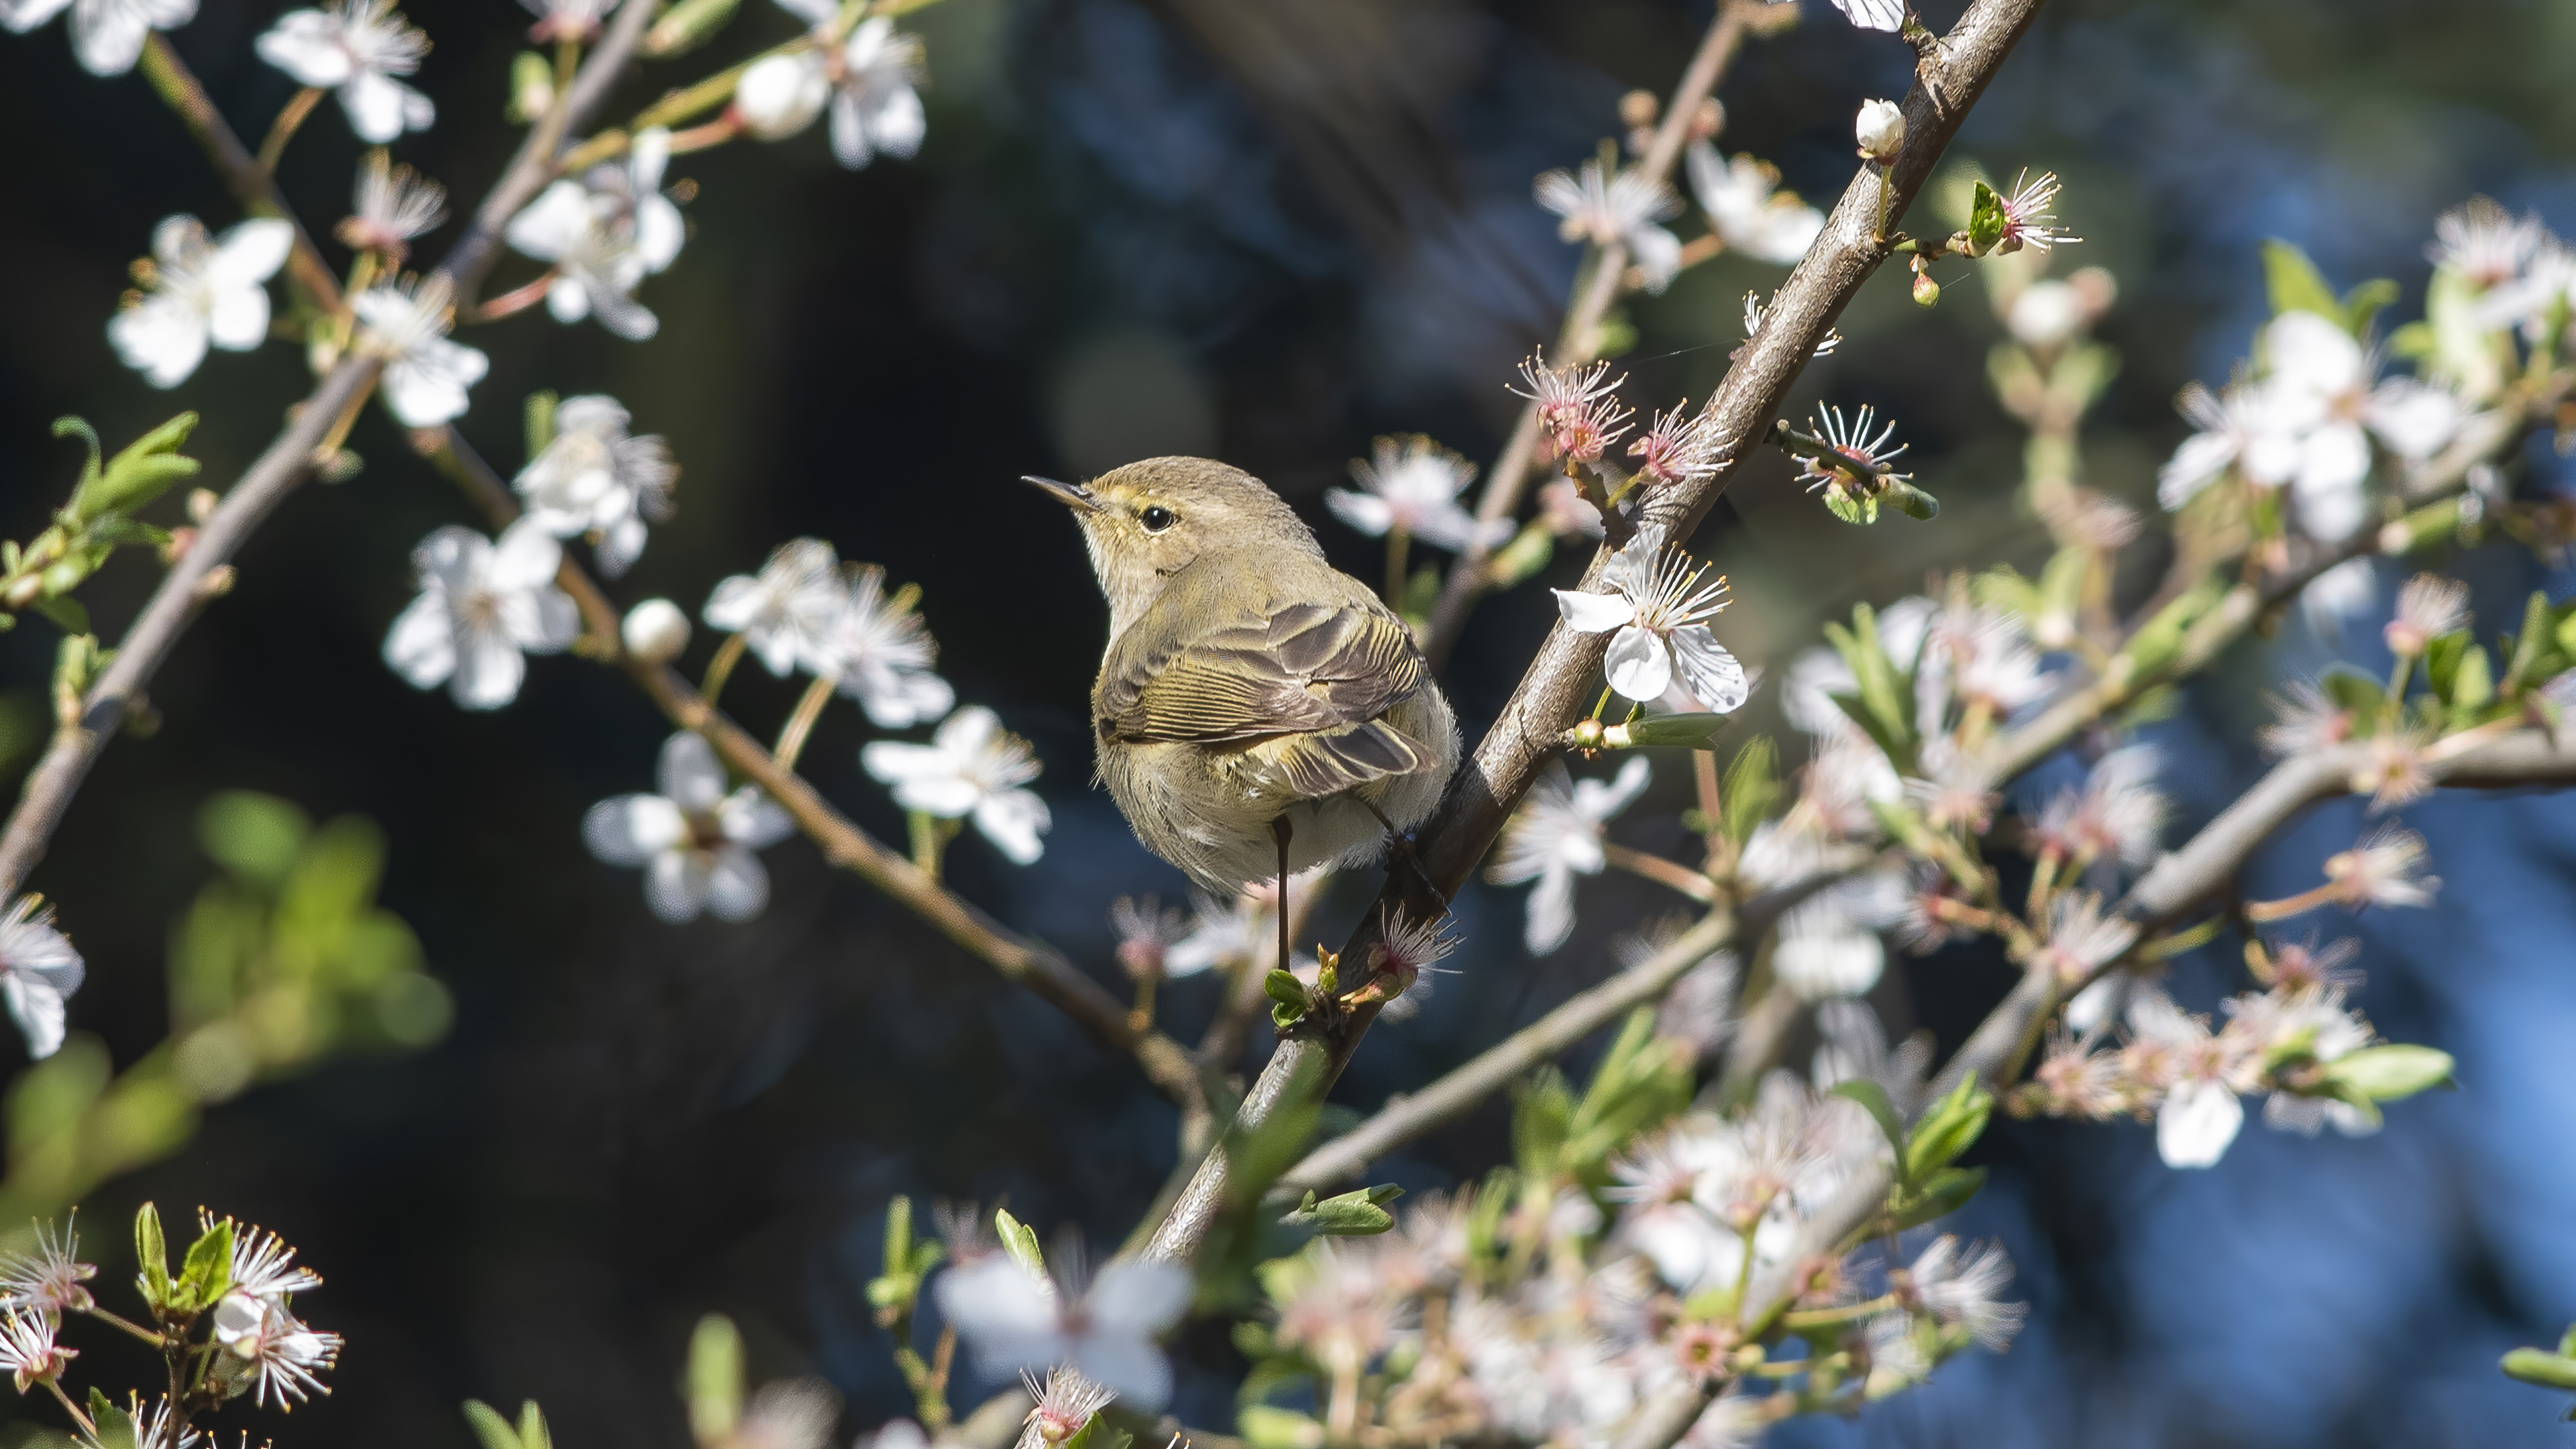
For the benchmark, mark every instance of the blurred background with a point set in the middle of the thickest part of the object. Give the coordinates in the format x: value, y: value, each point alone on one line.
x: 1269, y: 233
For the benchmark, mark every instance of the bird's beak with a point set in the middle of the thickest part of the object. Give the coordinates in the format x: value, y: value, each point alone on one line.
x: 1072, y: 495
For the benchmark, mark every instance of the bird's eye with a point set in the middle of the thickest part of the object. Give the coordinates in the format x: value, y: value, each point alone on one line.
x: 1155, y: 519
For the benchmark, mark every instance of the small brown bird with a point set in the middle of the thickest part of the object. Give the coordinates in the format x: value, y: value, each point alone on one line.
x: 1258, y: 711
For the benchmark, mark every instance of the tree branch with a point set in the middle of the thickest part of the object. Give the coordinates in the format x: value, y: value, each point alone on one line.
x: 1033, y: 964
x: 1550, y: 693
x: 288, y: 461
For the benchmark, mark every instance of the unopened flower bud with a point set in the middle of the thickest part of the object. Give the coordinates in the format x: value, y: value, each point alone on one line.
x: 1708, y: 119
x: 782, y: 95
x: 532, y: 87
x: 1926, y: 290
x: 655, y: 631
x: 202, y: 503
x: 1880, y: 129
x: 1637, y: 109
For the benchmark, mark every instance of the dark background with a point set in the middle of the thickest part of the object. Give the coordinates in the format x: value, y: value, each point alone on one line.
x: 1271, y: 233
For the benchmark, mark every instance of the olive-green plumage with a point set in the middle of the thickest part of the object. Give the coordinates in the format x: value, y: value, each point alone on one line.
x: 1248, y: 681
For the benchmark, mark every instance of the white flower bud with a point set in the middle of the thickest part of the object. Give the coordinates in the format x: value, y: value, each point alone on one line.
x: 782, y: 95
x: 2045, y: 314
x: 655, y: 631
x: 1880, y: 129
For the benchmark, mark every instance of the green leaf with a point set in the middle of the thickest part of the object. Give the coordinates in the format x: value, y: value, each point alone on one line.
x: 1884, y: 692
x: 2158, y: 642
x: 1689, y: 731
x: 540, y: 419
x: 1848, y: 506
x: 715, y: 1379
x: 2528, y: 650
x: 153, y: 1253
x: 76, y: 427
x: 143, y: 471
x: 2471, y: 688
x: 1099, y: 1433
x: 2353, y: 692
x: 68, y: 614
x: 686, y: 26
x: 1951, y: 1127
x: 2567, y: 1342
x: 1985, y: 220
x: 1527, y: 553
x: 898, y: 1235
x: 533, y: 1433
x: 2391, y: 1073
x: 1421, y: 592
x: 208, y: 1270
x: 1911, y: 501
x: 1020, y: 1241
x: 2548, y: 1370
x: 1264, y: 1426
x: 1944, y: 1193
x: 2364, y: 303
x: 1873, y: 1098
x: 2462, y: 351
x: 489, y: 1427
x: 1752, y: 787
x: 1351, y: 1215
x: 2293, y: 283
x: 257, y: 837
x: 115, y: 1426
x: 1542, y: 1116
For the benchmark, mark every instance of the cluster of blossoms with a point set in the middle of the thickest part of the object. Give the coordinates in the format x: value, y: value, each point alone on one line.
x: 1546, y: 1305
x: 238, y: 1287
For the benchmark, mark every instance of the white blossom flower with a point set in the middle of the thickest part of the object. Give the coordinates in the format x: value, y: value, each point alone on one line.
x: 1824, y: 954
x: 107, y: 35
x: 1556, y: 835
x: 879, y: 652
x: 1617, y: 209
x: 971, y: 767
x: 426, y: 375
x: 655, y: 631
x: 1579, y: 410
x: 2230, y: 428
x: 1880, y: 129
x: 1413, y: 484
x: 2201, y: 1074
x: 2027, y: 220
x: 1853, y: 440
x: 2083, y: 938
x: 1750, y: 214
x: 1887, y: 15
x: 28, y: 1350
x: 1404, y: 962
x: 1220, y: 933
x: 1656, y: 602
x: 257, y: 1337
x: 1680, y: 447
x: 1966, y: 1290
x: 2385, y: 869
x: 263, y: 1266
x: 1147, y: 930
x: 48, y: 1280
x: 1064, y: 1405
x: 1755, y: 310
x: 1013, y: 1319
x: 1855, y: 1048
x: 695, y: 841
x: 593, y: 477
x: 2117, y: 816
x: 356, y: 48
x: 2485, y: 243
x: 392, y: 205
x: 39, y: 971
x: 482, y: 605
x: 870, y: 83
x: 784, y: 613
x: 202, y: 292
x: 2326, y: 408
x: 2428, y: 607
x: 2046, y: 314
x: 605, y: 234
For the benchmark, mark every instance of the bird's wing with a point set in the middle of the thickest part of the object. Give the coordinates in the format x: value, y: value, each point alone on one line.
x: 1321, y: 672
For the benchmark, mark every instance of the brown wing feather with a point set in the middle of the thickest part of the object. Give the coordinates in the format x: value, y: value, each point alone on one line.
x: 1307, y: 669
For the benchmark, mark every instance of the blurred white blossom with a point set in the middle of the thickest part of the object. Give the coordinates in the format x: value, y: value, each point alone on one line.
x: 1555, y: 835
x: 869, y: 83
x: 595, y: 477
x: 879, y: 652
x: 201, y: 292
x: 107, y: 35
x: 1625, y: 208
x: 356, y: 48
x: 39, y: 971
x: 426, y: 375
x: 1887, y: 15
x: 392, y: 205
x: 971, y: 767
x: 1012, y: 1319
x: 694, y: 839
x: 1751, y: 215
x: 605, y: 234
x: 784, y: 613
x: 1413, y: 484
x: 481, y: 605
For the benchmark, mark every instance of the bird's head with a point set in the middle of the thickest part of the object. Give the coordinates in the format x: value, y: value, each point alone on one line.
x: 1146, y: 522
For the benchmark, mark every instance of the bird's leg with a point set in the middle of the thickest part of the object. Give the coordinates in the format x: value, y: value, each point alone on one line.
x: 1400, y: 848
x: 1279, y: 831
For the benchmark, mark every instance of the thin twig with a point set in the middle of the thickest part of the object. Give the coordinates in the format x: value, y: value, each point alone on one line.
x: 289, y: 460
x: 1509, y: 477
x: 1032, y: 964
x: 1551, y: 693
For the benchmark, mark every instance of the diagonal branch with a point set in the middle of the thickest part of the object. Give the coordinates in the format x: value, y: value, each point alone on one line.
x: 186, y: 588
x: 1033, y: 964
x: 1550, y: 694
